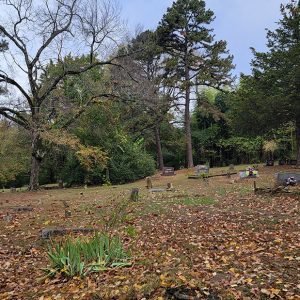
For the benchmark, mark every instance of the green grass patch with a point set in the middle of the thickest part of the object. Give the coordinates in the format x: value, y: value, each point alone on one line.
x: 79, y: 257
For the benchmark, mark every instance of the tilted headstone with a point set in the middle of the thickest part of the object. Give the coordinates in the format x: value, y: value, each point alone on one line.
x: 168, y: 171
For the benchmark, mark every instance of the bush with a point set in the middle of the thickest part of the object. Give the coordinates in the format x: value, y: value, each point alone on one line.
x: 129, y: 162
x: 81, y: 257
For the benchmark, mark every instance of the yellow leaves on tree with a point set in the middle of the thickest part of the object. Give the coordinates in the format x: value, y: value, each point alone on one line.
x: 88, y: 156
x: 91, y: 157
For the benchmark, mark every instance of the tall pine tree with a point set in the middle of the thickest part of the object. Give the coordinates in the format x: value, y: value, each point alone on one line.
x: 193, y: 58
x: 277, y: 72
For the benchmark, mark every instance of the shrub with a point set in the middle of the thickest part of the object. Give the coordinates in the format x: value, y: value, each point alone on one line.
x: 80, y: 257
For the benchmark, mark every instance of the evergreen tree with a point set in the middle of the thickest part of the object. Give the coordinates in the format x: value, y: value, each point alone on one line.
x: 277, y: 72
x: 193, y: 58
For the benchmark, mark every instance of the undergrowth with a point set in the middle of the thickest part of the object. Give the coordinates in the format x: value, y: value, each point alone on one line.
x: 80, y: 257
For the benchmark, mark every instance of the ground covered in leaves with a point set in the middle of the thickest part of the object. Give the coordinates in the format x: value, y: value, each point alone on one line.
x: 210, y: 239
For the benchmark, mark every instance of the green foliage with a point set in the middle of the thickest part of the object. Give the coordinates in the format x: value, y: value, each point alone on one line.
x: 14, y: 153
x: 129, y: 161
x: 246, y: 149
x: 182, y: 32
x: 81, y: 257
x: 196, y: 201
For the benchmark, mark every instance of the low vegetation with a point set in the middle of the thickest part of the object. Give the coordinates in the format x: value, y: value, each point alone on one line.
x: 79, y: 257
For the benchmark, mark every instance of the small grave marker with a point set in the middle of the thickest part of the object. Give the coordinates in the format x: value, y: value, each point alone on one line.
x: 134, y: 194
x: 149, y: 183
x: 157, y: 190
x: 170, y: 186
x: 46, y: 233
x: 269, y: 163
x: 68, y: 213
x: 168, y: 171
x: 8, y: 217
x: 23, y: 209
x: 60, y: 184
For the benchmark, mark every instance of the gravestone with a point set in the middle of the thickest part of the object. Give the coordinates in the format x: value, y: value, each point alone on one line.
x: 157, y: 190
x: 60, y: 184
x: 170, y: 186
x: 23, y: 209
x: 134, y: 196
x: 168, y: 171
x: 13, y: 189
x: 201, y: 169
x: 269, y: 163
x: 293, y: 162
x: 46, y: 233
x: 149, y: 183
x: 231, y: 168
x: 68, y: 213
x: 283, y: 176
x: 8, y: 217
x: 282, y: 162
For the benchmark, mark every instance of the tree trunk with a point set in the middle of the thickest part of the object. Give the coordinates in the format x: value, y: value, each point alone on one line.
x: 36, y: 159
x: 188, y: 134
x: 187, y: 121
x: 298, y: 141
x: 160, y: 158
x: 187, y: 117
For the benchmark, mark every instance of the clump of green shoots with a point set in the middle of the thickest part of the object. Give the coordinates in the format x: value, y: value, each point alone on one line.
x: 80, y: 257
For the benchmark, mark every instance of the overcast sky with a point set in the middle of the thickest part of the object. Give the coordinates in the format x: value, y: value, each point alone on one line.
x: 241, y: 23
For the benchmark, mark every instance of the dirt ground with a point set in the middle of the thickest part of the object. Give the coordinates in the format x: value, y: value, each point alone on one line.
x: 206, y: 239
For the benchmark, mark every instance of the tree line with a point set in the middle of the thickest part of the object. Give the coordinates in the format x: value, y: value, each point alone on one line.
x: 95, y: 107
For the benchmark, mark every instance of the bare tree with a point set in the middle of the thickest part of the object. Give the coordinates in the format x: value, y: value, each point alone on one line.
x: 40, y: 32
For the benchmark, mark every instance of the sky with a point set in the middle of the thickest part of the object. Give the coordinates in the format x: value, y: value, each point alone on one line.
x: 241, y: 23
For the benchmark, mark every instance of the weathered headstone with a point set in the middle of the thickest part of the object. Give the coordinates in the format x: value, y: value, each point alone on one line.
x: 149, y: 183
x: 65, y: 203
x: 60, y: 184
x: 8, y: 217
x: 231, y: 168
x: 13, y: 189
x: 282, y: 162
x: 134, y: 196
x: 293, y: 162
x: 157, y: 190
x: 168, y: 171
x: 68, y: 213
x: 170, y: 186
x: 201, y: 169
x: 49, y: 232
x: 23, y: 209
x: 269, y: 163
x: 283, y: 176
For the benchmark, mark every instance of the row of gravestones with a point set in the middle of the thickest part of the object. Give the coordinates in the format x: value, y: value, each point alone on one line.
x: 200, y: 169
x: 282, y: 162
